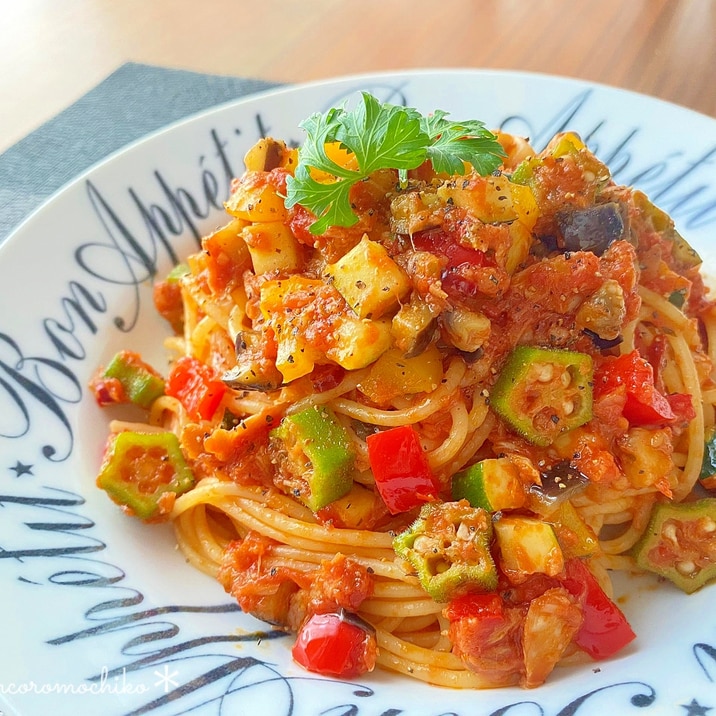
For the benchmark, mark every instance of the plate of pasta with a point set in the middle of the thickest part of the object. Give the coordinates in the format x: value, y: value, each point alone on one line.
x: 387, y: 394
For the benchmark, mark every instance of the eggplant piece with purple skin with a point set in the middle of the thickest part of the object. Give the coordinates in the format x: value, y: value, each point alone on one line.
x: 592, y: 229
x: 560, y: 482
x: 253, y: 370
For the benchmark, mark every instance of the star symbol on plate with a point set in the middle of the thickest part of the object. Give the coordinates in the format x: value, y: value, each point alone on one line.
x: 695, y: 708
x: 21, y: 469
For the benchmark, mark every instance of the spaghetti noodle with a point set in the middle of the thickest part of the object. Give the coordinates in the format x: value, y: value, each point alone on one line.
x: 404, y: 324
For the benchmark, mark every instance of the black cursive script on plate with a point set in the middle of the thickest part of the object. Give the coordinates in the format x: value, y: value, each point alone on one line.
x: 179, y: 646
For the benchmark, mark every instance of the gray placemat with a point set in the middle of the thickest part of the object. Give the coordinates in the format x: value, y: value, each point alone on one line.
x: 134, y: 100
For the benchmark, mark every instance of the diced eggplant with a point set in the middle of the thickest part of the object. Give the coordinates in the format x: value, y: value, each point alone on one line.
x: 253, y: 370
x: 603, y: 313
x: 603, y: 344
x: 467, y: 330
x: 413, y: 327
x: 559, y: 482
x: 591, y: 229
x: 265, y: 155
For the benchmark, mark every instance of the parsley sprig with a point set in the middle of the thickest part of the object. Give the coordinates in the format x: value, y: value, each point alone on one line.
x: 381, y: 136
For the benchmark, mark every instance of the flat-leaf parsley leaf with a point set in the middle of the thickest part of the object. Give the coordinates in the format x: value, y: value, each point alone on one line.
x: 381, y: 136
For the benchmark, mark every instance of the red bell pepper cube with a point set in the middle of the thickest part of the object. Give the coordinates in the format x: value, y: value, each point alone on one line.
x: 605, y: 630
x: 400, y: 468
x: 194, y: 384
x: 645, y: 405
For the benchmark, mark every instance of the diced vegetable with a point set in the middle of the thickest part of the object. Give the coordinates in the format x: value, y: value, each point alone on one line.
x: 527, y: 546
x: 225, y: 256
x: 357, y: 342
x: 646, y: 458
x: 254, y: 198
x: 177, y: 272
x: 593, y: 228
x: 565, y: 144
x: 144, y: 473
x: 493, y: 484
x: 358, y: 509
x: 444, y: 244
x: 467, y: 330
x: 167, y: 297
x: 254, y: 369
x: 559, y: 482
x: 602, y: 314
x: 449, y: 548
x: 707, y: 476
x: 370, y: 281
x: 193, y: 383
x: 394, y: 375
x: 681, y: 250
x: 281, y: 304
x: 272, y: 247
x: 127, y: 379
x: 492, y: 199
x: 318, y: 455
x: 633, y: 376
x: 413, y: 327
x: 402, y: 474
x: 575, y: 537
x: 542, y: 393
x: 338, y: 644
x: 680, y: 543
x: 604, y: 630
x: 268, y: 154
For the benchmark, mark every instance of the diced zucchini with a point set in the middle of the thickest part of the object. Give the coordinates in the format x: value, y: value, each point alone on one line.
x: 355, y: 510
x: 528, y: 546
x: 487, y: 198
x: 493, y: 484
x: 575, y: 537
x: 393, y: 374
x: 681, y: 250
x: 315, y: 451
x: 565, y: 143
x: 272, y: 247
x: 370, y: 281
x: 357, y: 342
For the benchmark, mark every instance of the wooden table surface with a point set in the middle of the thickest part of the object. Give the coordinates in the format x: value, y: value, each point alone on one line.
x: 52, y: 52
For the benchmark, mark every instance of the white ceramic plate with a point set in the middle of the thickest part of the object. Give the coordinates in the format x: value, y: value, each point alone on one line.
x: 100, y: 614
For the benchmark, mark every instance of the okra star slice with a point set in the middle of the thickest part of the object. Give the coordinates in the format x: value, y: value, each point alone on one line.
x: 680, y: 543
x: 543, y: 392
x: 448, y: 546
x: 144, y: 473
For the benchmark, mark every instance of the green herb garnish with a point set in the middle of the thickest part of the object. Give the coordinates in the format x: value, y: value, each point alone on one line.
x: 382, y: 136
